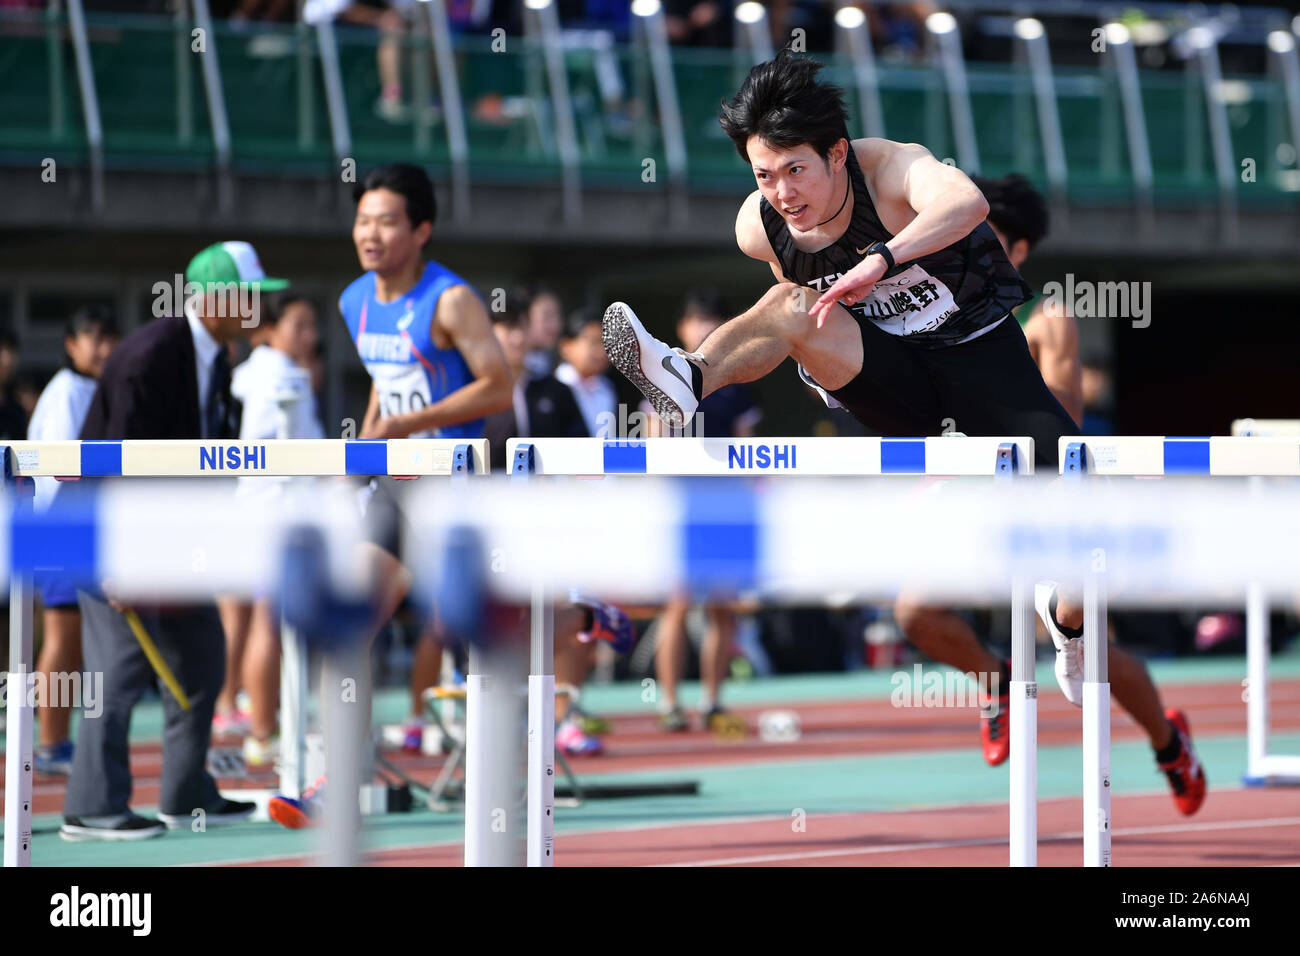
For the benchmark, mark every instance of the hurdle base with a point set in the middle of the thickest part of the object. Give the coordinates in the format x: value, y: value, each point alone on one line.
x: 1271, y: 780
x: 616, y: 791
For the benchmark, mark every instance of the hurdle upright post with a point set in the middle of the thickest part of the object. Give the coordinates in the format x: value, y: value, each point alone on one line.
x: 1024, y: 728
x: 1096, y: 718
x: 19, y: 726
x: 541, y: 702
x: 1257, y: 659
x: 541, y: 730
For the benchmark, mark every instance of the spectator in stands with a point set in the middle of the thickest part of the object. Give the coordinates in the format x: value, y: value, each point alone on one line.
x: 275, y: 373
x: 734, y: 414
x: 268, y: 11
x: 583, y: 369
x: 88, y: 340
x: 706, y: 23
x: 13, y: 420
x: 543, y: 320
x: 390, y: 18
x: 543, y: 406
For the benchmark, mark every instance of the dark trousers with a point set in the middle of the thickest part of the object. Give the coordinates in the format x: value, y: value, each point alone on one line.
x: 989, y: 386
x: 192, y: 642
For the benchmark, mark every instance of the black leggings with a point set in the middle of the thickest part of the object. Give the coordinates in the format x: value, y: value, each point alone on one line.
x: 988, y: 386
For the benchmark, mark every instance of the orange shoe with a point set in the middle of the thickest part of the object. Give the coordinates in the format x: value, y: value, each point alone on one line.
x: 995, y: 729
x: 1186, y: 775
x: 296, y: 814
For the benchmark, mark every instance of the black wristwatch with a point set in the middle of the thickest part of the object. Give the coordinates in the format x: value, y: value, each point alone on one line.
x: 882, y: 250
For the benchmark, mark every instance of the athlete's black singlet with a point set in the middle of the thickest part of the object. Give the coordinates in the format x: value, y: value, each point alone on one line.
x: 937, y: 300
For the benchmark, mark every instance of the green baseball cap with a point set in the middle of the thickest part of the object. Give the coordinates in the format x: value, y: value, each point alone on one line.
x: 226, y: 262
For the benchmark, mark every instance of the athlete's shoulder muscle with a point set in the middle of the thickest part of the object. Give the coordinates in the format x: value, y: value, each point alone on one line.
x: 351, y: 297
x: 750, y: 234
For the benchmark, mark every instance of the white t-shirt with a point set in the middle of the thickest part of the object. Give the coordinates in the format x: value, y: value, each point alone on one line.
x: 261, y: 382
x: 59, y: 414
x: 596, y: 399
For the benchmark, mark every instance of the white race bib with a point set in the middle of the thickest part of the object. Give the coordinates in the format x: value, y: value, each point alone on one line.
x: 401, y: 389
x: 907, y: 303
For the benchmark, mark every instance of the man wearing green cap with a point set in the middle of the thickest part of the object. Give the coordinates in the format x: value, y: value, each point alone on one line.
x: 168, y: 379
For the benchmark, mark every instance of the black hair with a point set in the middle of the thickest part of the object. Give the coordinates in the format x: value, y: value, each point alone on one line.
x: 706, y: 301
x: 580, y: 319
x: 513, y: 308
x: 279, y: 305
x: 782, y: 102
x: 1016, y: 208
x: 91, y: 319
x: 407, y: 180
x: 8, y: 340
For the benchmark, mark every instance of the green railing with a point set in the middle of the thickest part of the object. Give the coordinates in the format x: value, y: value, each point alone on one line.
x: 155, y: 110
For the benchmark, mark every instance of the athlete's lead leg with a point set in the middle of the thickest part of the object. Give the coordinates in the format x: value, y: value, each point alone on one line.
x: 741, y: 350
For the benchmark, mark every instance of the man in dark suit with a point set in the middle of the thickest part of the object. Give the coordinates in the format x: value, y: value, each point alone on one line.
x: 544, y: 407
x: 169, y: 379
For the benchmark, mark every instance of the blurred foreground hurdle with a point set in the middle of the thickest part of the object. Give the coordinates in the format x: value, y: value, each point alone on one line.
x: 711, y: 458
x: 185, y: 549
x: 1159, y: 456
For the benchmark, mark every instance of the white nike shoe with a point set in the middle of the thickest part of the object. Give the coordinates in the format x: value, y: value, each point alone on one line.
x: 663, y: 374
x: 1069, y: 650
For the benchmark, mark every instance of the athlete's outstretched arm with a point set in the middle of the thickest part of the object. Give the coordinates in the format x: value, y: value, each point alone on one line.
x: 463, y: 319
x: 943, y: 205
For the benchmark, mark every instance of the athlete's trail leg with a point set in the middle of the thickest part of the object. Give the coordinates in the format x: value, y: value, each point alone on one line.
x: 777, y: 327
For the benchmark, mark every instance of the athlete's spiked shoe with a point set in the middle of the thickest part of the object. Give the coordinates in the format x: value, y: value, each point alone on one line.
x: 1069, y: 650
x: 663, y: 374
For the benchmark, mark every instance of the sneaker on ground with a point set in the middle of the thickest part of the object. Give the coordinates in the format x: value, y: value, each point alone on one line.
x: 1069, y: 650
x: 570, y: 738
x: 413, y: 736
x: 298, y: 812
x: 222, y: 813
x: 261, y: 753
x: 663, y: 374
x: 117, y: 828
x: 674, y: 721
x: 54, y: 758
x: 725, y: 724
x: 232, y: 723
x: 1185, y: 774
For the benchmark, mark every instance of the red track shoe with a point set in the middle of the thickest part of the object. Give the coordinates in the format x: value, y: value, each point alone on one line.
x: 995, y: 727
x: 1186, y: 775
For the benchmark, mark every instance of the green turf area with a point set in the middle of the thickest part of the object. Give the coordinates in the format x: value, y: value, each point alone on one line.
x: 766, y: 789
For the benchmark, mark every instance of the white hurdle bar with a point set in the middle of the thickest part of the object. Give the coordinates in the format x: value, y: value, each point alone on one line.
x: 73, y: 460
x: 1262, y: 767
x: 1238, y: 456
x: 704, y: 457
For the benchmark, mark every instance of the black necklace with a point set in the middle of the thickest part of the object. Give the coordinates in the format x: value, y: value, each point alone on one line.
x: 841, y: 209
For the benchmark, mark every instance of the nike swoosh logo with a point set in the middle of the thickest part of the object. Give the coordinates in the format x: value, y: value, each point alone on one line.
x: 863, y: 250
x: 667, y: 363
x: 406, y: 320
